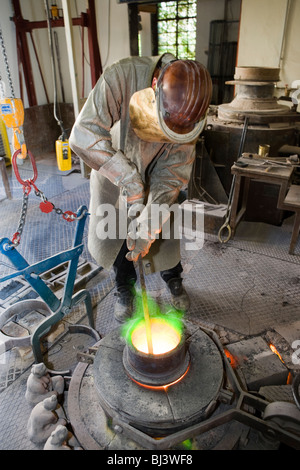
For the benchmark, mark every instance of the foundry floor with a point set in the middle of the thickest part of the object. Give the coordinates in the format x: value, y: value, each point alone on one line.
x: 245, y: 288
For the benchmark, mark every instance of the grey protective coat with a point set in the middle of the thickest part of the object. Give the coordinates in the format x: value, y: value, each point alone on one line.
x: 164, y: 168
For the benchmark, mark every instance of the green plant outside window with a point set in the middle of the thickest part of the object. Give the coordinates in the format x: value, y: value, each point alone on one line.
x: 177, y: 28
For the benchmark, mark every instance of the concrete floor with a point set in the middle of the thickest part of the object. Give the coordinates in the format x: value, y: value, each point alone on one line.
x: 245, y: 288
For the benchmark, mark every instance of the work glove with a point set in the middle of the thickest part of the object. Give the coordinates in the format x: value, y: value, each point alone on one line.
x: 138, y: 246
x: 123, y: 173
x: 141, y: 234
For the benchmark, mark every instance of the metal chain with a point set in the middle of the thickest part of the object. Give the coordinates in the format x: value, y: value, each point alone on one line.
x: 17, y: 236
x: 2, y: 88
x: 66, y: 215
x: 7, y: 65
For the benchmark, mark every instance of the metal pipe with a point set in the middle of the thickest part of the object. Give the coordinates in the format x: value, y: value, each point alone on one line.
x: 145, y: 306
x: 59, y: 66
x: 72, y: 68
x: 59, y: 121
x: 288, y: 5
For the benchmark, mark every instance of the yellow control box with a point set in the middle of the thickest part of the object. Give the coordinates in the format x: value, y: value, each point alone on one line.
x: 63, y: 155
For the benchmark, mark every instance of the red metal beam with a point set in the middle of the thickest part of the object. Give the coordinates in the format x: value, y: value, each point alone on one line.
x: 24, y: 54
x: 59, y: 23
x: 23, y: 27
x: 95, y: 60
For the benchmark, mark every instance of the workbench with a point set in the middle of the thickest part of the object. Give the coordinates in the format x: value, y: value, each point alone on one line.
x: 256, y: 170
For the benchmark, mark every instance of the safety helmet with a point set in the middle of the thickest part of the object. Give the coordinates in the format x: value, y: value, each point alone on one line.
x: 183, y: 94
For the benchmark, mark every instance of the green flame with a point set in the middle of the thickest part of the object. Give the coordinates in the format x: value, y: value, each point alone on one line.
x: 169, y: 315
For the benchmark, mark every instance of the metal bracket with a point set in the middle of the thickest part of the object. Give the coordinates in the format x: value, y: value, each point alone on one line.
x: 59, y: 308
x: 87, y: 358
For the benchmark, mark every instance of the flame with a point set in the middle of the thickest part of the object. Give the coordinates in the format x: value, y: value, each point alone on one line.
x: 231, y: 358
x: 275, y: 351
x: 289, y: 379
x: 165, y: 338
x: 162, y: 387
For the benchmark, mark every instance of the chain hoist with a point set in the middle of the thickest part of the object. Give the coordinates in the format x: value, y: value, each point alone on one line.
x: 12, y: 114
x: 11, y: 109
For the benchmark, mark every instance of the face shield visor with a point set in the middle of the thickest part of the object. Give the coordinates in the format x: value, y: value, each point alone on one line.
x: 176, y: 111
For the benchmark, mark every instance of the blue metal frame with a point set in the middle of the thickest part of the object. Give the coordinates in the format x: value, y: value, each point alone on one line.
x: 31, y: 274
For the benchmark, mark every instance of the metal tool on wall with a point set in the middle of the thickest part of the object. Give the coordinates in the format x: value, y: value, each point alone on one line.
x: 226, y: 225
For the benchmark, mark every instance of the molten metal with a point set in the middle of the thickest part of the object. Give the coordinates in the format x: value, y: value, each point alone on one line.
x: 164, y: 337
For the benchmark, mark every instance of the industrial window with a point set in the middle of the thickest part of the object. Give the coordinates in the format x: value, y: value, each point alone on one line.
x: 177, y: 28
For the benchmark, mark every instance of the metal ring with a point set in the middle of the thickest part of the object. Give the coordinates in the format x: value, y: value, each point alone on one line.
x: 227, y: 226
x: 69, y: 216
x: 16, y: 169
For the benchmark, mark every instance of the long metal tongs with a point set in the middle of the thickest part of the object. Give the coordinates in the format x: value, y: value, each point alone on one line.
x: 145, y: 305
x: 226, y: 225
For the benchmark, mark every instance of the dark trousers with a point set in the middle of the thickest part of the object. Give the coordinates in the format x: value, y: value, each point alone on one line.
x: 125, y: 272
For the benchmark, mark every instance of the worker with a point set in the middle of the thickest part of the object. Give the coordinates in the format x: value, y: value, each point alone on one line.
x: 137, y: 131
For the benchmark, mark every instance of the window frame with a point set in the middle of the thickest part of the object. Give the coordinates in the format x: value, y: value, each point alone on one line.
x: 178, y: 35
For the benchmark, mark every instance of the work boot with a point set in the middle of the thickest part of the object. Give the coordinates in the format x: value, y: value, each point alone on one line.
x: 180, y: 299
x: 124, y: 305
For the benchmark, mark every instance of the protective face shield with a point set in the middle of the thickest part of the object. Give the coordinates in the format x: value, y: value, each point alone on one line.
x: 176, y: 111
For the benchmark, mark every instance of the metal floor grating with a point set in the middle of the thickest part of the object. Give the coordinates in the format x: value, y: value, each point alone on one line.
x: 249, y: 285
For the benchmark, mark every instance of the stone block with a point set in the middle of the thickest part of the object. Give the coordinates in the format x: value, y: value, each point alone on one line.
x: 258, y: 365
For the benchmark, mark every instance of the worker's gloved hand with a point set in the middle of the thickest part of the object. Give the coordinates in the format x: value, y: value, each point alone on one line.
x: 124, y: 174
x: 139, y: 238
x: 138, y: 247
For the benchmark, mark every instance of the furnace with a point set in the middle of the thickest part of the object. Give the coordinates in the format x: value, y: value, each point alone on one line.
x: 169, y: 362
x: 187, y: 396
x: 138, y: 388
x: 270, y: 122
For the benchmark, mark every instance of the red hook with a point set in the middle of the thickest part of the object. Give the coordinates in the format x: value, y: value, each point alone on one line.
x: 16, y: 169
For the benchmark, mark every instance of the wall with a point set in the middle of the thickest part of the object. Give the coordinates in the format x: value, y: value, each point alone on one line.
x: 210, y: 10
x: 113, y: 31
x: 261, y: 31
x: 291, y: 63
x: 113, y: 36
x: 262, y: 34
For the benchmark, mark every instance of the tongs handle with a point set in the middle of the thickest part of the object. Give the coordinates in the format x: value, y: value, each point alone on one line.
x: 145, y: 305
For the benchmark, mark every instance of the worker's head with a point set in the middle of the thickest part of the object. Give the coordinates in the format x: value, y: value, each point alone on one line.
x: 176, y: 105
x: 183, y: 94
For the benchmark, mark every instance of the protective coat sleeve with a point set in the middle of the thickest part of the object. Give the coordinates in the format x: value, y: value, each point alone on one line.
x: 90, y: 138
x: 170, y: 174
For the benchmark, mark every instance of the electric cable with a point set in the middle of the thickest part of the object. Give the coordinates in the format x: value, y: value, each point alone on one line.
x: 59, y: 121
